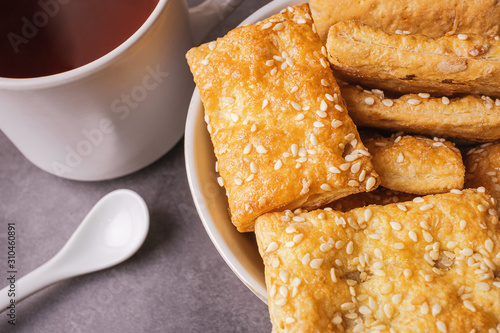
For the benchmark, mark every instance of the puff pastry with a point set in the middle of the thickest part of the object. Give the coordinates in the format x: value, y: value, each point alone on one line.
x: 463, y: 63
x: 427, y: 17
x: 416, y: 164
x: 469, y: 117
x: 280, y: 130
x: 379, y: 196
x: 430, y: 265
x: 483, y: 168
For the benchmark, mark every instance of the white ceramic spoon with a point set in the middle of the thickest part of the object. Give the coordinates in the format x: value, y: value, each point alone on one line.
x: 112, y: 232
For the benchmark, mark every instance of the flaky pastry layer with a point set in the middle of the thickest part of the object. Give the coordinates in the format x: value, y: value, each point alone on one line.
x: 417, y: 165
x: 428, y: 265
x: 280, y: 130
x: 469, y: 117
x: 427, y: 17
x: 463, y: 63
x: 483, y: 168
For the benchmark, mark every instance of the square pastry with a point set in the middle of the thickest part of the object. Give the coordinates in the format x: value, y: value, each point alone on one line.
x: 427, y: 265
x: 279, y: 127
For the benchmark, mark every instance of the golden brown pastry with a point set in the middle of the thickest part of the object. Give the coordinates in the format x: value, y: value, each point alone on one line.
x: 280, y: 129
x: 416, y: 165
x: 379, y: 196
x: 427, y: 17
x: 470, y: 117
x: 483, y: 168
x: 430, y: 265
x: 463, y: 63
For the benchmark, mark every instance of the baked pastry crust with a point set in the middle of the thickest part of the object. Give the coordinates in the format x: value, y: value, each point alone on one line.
x: 415, y: 63
x: 416, y: 165
x: 469, y: 117
x: 483, y: 168
x: 427, y: 17
x: 379, y: 196
x: 422, y: 266
x: 278, y: 124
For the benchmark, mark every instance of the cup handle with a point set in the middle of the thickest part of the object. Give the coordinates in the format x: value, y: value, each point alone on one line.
x: 205, y: 16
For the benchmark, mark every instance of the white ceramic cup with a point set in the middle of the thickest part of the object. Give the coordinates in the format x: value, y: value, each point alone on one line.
x: 119, y: 112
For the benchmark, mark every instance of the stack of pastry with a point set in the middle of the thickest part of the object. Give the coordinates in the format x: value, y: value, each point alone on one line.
x: 342, y: 254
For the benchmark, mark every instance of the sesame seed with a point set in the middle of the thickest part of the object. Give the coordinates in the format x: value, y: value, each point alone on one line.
x: 274, y: 71
x: 270, y: 62
x: 324, y: 83
x: 278, y: 165
x: 481, y: 208
x: 228, y: 100
x: 463, y: 224
x: 289, y: 320
x: 323, y: 106
x: 273, y: 246
x: 364, y: 310
x: 316, y: 263
x: 204, y: 61
x: 379, y: 272
x: 284, y: 276
x: 378, y: 253
x: 323, y: 63
x: 456, y: 191
x: 426, y: 207
x: 469, y: 305
x: 483, y: 286
x: 462, y: 36
x: 339, y: 108
x: 349, y: 248
x: 407, y: 273
x: 296, y: 105
x: 388, y: 310
x: 321, y: 114
x: 306, y: 259
x: 329, y: 97
x: 298, y: 219
x: 395, y: 226
x: 488, y: 244
x: 481, y: 189
x: 367, y: 214
x: 318, y: 124
x: 399, y: 246
x: 387, y: 102
x: 396, y: 299
x: 333, y: 169
x: 238, y: 181
x: 441, y: 326
x: 467, y: 252
x: 436, y: 309
x: 299, y: 117
x: 326, y: 187
x: 278, y: 27
x: 356, y: 167
x: 413, y: 101
x: 400, y: 158
x: 253, y: 167
x: 336, y: 123
x: 347, y: 306
x: 261, y: 149
x: 266, y: 26
x: 427, y: 236
x: 212, y: 45
x: 370, y: 183
x: 402, y: 207
x: 265, y: 102
x: 253, y: 128
x: 369, y: 101
x: 424, y: 95
x: 445, y: 100
x: 220, y: 181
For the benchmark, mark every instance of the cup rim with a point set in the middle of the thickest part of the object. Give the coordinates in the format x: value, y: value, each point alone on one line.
x: 88, y: 68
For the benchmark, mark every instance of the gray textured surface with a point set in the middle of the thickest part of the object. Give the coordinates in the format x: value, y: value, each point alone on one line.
x: 177, y: 282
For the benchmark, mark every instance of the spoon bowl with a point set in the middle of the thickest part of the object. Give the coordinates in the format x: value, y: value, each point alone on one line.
x: 113, y: 230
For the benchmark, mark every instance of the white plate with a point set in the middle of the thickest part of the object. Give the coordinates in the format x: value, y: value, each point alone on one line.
x: 238, y: 250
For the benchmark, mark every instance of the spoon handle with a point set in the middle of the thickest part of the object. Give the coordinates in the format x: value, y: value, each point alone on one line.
x: 36, y: 280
